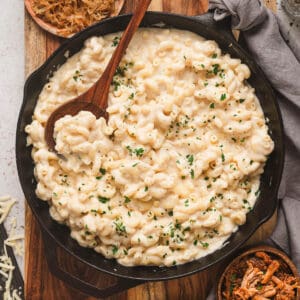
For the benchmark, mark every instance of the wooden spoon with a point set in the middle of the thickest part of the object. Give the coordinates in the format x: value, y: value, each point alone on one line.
x: 95, y: 99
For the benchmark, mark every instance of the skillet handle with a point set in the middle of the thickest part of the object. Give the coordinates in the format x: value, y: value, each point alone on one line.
x: 222, y: 26
x: 74, y: 280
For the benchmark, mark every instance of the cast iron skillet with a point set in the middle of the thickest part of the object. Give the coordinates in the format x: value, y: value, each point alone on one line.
x: 267, y: 199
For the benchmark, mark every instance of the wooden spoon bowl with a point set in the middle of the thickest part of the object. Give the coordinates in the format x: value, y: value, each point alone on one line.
x: 72, y: 109
x: 57, y: 31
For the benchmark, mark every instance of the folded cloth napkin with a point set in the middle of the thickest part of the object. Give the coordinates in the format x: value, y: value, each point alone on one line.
x: 266, y: 39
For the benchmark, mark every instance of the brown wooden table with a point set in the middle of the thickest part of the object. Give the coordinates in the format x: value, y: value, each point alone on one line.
x: 40, y: 284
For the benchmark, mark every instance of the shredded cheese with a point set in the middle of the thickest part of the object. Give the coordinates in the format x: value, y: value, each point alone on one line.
x: 12, y: 241
x: 6, y: 265
x: 6, y: 203
x: 6, y: 270
x: 71, y: 16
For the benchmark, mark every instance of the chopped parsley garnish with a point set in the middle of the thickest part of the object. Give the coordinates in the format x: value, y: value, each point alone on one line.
x: 77, y: 75
x: 190, y: 159
x: 120, y: 71
x: 223, y: 157
x: 177, y: 225
x: 115, y: 41
x: 216, y: 69
x: 129, y: 149
x: 120, y: 228
x: 242, y: 100
x: 103, y: 199
x: 139, y: 152
x: 127, y: 200
x: 114, y: 249
x: 192, y: 172
x: 215, y: 55
x: 223, y: 97
x: 146, y: 189
x: 116, y: 84
x: 204, y: 245
x: 170, y: 213
x: 102, y: 171
x: 212, y: 105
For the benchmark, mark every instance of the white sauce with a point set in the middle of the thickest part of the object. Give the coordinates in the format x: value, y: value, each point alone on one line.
x: 182, y: 169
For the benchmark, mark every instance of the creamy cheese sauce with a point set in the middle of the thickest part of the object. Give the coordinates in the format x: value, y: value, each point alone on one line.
x: 176, y: 169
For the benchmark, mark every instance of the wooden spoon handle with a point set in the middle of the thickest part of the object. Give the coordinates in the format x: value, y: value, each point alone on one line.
x: 101, y: 91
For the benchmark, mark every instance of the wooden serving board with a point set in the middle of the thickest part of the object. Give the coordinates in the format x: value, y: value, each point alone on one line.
x: 40, y: 284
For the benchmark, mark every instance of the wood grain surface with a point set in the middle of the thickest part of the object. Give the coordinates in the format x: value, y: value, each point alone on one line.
x: 40, y: 284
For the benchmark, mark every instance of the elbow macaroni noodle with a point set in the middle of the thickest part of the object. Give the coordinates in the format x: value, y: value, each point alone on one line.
x: 176, y: 169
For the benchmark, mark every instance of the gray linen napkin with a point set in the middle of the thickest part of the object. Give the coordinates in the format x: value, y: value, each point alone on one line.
x: 266, y: 39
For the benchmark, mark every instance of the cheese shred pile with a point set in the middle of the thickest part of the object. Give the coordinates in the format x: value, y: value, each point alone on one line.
x: 71, y: 16
x: 6, y: 265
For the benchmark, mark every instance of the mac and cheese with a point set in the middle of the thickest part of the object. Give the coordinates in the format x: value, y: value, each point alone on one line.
x: 177, y: 167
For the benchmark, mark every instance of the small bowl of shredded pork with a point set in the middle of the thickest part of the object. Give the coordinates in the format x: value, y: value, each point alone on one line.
x: 260, y: 273
x: 66, y: 17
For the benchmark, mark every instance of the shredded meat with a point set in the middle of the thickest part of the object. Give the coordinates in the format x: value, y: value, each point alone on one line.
x: 265, y: 257
x: 260, y: 278
x: 251, y: 277
x: 288, y: 286
x: 71, y: 16
x: 272, y: 268
x: 243, y: 293
x: 258, y: 263
x: 268, y: 291
x: 259, y: 297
